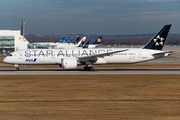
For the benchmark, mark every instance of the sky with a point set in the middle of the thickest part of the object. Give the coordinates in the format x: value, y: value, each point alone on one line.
x: 101, y: 17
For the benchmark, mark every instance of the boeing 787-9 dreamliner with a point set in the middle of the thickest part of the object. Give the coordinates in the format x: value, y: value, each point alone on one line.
x: 71, y: 58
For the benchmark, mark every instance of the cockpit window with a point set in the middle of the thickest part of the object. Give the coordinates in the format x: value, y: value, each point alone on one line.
x: 9, y: 54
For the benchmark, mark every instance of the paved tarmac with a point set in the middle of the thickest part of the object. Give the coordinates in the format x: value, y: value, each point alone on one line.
x: 95, y: 72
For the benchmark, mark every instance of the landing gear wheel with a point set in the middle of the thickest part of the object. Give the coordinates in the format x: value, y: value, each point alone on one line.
x: 17, y: 69
x: 85, y: 68
x: 88, y: 68
x: 91, y: 68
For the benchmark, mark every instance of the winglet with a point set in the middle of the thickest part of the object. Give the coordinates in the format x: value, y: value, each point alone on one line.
x: 157, y: 42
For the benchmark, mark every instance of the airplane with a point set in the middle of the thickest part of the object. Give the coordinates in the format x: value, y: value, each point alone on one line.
x: 70, y: 40
x: 77, y: 40
x: 71, y: 58
x: 62, y: 40
x: 71, y: 45
x: 55, y: 45
x: 86, y: 45
x: 96, y: 43
x: 22, y: 43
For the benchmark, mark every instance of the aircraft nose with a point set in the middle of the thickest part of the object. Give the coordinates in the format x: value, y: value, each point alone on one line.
x: 7, y: 60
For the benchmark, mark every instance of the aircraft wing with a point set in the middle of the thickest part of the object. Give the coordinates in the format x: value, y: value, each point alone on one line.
x: 94, y: 57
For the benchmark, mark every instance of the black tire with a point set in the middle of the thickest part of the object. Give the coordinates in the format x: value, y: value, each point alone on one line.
x: 88, y: 68
x: 91, y: 68
x: 17, y: 69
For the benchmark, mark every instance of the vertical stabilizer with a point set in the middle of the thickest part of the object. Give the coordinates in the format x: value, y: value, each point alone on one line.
x: 77, y: 40
x: 98, y: 40
x: 86, y: 45
x: 157, y: 42
x: 81, y: 42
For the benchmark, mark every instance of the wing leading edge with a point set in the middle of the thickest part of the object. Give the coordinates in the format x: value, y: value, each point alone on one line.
x: 95, y: 57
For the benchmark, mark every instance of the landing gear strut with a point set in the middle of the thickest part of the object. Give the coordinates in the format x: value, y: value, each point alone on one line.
x: 17, y: 67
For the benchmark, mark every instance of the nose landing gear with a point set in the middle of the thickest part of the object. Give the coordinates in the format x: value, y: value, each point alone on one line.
x: 17, y: 67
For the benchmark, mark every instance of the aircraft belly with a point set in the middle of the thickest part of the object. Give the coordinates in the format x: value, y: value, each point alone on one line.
x: 101, y: 61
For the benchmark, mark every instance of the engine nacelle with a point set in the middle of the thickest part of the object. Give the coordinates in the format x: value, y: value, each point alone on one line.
x: 69, y: 63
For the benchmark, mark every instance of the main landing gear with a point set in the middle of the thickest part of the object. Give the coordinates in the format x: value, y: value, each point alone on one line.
x: 86, y: 68
x: 17, y: 69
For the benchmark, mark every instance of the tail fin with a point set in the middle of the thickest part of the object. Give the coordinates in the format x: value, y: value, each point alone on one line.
x: 98, y: 40
x: 157, y: 42
x: 63, y: 40
x: 77, y: 40
x: 86, y: 45
x: 81, y: 41
x: 70, y: 40
x: 81, y: 44
x: 60, y: 41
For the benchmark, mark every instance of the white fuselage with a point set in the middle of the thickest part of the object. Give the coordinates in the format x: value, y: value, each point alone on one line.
x: 54, y: 56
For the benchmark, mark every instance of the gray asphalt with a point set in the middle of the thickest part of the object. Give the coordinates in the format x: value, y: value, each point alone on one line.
x: 96, y: 72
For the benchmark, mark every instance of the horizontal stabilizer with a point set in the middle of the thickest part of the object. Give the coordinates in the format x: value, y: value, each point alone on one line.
x: 163, y: 52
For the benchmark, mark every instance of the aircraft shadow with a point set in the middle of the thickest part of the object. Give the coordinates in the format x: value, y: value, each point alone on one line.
x: 101, y: 69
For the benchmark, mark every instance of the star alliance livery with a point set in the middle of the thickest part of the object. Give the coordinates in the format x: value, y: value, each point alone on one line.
x: 71, y: 58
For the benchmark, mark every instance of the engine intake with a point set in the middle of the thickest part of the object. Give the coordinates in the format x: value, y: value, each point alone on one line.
x: 69, y: 63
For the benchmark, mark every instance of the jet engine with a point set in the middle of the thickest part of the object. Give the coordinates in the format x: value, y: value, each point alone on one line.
x: 68, y: 63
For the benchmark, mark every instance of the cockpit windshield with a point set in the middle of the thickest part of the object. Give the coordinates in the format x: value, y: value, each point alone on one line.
x: 9, y: 55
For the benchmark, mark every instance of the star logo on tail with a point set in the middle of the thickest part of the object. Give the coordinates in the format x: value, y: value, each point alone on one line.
x: 159, y: 41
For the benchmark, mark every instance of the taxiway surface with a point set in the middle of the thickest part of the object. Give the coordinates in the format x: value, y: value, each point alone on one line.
x: 95, y: 72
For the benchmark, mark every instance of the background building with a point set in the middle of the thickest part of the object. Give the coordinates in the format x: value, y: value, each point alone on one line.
x: 11, y: 40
